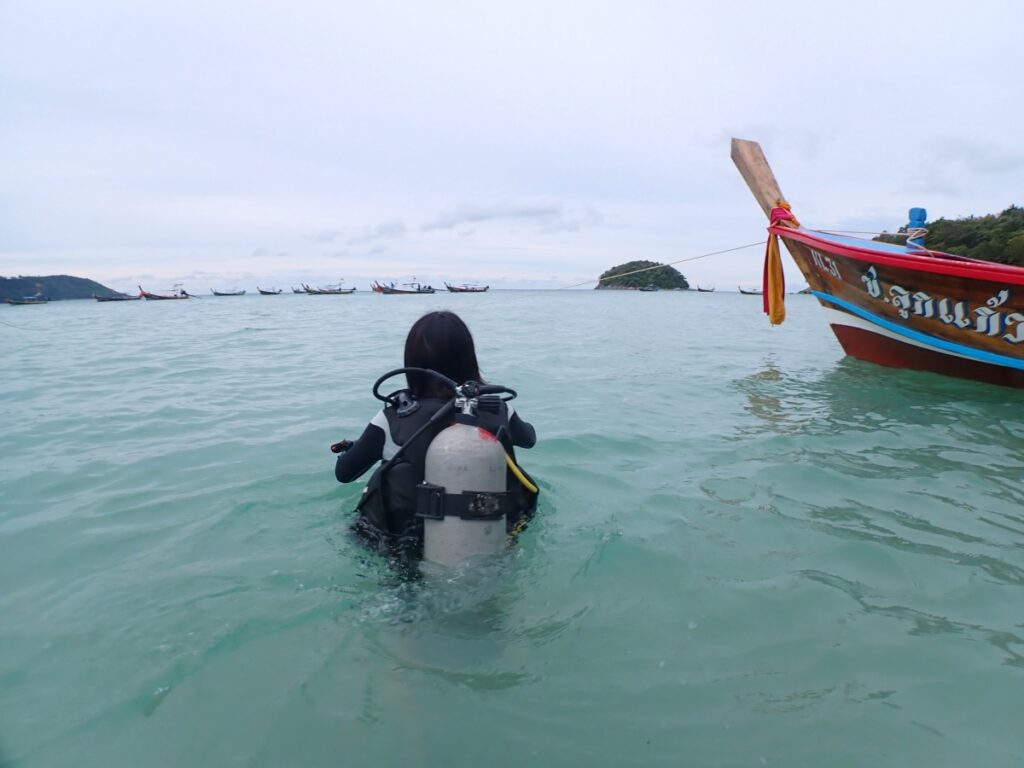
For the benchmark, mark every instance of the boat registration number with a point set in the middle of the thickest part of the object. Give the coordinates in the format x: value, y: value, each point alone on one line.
x: 825, y: 264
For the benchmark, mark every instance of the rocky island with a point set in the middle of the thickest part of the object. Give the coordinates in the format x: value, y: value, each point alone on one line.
x: 665, y: 278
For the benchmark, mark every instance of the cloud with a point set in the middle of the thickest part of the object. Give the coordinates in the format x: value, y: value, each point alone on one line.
x: 383, y: 231
x: 548, y: 216
x: 982, y: 159
x: 326, y: 236
x: 952, y: 164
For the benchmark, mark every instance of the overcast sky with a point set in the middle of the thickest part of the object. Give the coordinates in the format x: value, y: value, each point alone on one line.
x: 520, y: 144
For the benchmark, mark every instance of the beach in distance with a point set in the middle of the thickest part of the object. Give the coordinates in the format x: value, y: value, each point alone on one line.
x: 749, y: 550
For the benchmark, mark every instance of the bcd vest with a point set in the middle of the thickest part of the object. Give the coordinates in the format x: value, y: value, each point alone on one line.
x: 388, y: 504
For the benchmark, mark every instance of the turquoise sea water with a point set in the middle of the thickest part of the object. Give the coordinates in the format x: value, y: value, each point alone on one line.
x: 749, y: 551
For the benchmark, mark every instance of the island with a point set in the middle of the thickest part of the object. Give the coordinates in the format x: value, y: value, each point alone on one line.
x: 628, y: 277
x: 52, y: 287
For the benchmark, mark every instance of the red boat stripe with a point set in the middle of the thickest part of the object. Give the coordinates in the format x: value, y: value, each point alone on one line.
x: 1002, y: 273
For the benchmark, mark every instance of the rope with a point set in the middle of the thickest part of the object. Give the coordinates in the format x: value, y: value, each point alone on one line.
x: 659, y: 266
x: 916, y: 232
x: 20, y: 327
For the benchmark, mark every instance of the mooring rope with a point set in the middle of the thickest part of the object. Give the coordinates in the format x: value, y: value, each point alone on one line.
x: 911, y: 233
x: 20, y: 327
x: 660, y: 266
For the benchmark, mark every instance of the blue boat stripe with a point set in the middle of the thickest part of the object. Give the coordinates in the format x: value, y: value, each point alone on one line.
x: 931, y: 341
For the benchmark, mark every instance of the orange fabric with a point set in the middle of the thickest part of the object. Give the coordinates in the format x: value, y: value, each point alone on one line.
x: 774, y: 288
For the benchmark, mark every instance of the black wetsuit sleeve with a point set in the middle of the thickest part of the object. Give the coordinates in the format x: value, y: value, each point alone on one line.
x: 522, y: 432
x: 364, y: 453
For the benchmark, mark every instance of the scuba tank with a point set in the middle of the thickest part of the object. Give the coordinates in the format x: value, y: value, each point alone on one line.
x: 463, y: 499
x: 463, y: 506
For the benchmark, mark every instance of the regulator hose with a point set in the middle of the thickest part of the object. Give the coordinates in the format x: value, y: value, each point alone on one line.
x: 515, y: 470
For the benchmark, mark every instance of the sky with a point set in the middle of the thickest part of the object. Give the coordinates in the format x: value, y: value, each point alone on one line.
x: 527, y: 144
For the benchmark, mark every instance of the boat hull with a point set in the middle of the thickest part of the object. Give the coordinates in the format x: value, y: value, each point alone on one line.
x: 388, y: 290
x: 911, y: 309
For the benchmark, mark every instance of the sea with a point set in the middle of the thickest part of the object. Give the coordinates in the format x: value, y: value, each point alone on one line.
x: 749, y: 550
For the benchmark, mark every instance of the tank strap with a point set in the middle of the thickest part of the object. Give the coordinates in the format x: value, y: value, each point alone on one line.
x: 434, y: 503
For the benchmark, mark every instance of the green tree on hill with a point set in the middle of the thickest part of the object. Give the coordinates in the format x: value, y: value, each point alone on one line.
x: 992, y: 238
x: 665, y: 277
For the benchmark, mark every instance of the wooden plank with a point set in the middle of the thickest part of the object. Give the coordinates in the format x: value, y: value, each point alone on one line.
x: 757, y: 173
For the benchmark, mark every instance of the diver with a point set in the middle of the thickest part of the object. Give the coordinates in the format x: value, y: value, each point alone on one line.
x: 440, y: 368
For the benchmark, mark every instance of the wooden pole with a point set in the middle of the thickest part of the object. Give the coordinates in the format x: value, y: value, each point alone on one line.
x: 759, y: 177
x: 757, y: 173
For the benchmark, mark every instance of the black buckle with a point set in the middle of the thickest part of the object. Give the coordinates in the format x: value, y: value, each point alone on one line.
x: 430, y: 501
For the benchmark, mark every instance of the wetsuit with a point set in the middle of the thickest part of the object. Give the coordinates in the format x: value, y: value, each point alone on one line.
x: 389, y: 502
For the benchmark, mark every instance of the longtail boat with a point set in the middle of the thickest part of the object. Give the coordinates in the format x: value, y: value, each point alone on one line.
x: 179, y: 293
x: 466, y: 288
x: 298, y: 290
x: 706, y: 290
x: 118, y: 297
x: 902, y: 306
x: 391, y: 289
x: 751, y: 292
x: 328, y: 290
x: 25, y: 300
x: 227, y: 293
x: 271, y: 292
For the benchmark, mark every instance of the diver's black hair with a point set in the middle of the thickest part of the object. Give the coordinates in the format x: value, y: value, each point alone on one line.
x: 442, y: 342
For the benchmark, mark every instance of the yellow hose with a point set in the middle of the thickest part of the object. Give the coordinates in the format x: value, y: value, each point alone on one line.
x: 519, y: 475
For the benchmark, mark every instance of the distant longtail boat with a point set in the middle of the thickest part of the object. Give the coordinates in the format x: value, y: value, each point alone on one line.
x: 180, y: 293
x: 391, y: 289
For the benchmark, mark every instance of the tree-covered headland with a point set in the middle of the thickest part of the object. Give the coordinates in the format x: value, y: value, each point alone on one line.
x: 52, y: 287
x: 992, y: 237
x: 665, y: 277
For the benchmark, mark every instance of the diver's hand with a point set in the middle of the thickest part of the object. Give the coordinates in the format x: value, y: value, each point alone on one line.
x: 341, y: 447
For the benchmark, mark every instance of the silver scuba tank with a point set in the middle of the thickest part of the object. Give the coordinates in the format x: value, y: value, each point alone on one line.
x: 464, y: 486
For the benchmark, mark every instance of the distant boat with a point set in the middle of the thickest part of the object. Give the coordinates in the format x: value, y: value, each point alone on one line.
x: 179, y: 293
x: 298, y: 290
x: 271, y: 292
x: 752, y: 292
x: 466, y: 288
x: 118, y: 297
x: 328, y: 290
x: 706, y: 290
x: 649, y: 288
x: 235, y: 292
x: 412, y: 288
x: 38, y: 298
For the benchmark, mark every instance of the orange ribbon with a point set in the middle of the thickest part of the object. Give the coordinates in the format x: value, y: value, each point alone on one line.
x: 774, y: 288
